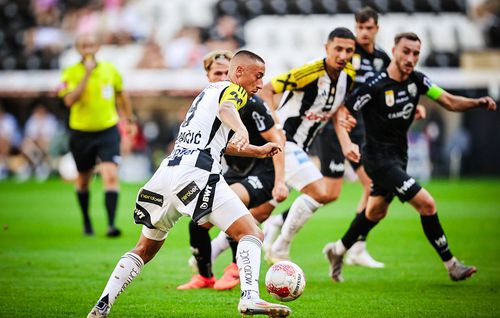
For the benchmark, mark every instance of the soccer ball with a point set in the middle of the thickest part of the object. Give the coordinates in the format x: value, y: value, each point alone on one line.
x: 285, y: 281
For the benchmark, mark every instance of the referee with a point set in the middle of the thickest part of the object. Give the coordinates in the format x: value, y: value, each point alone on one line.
x: 91, y: 90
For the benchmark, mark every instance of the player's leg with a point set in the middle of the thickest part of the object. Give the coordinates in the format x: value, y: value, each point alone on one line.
x: 199, y: 239
x: 233, y: 218
x: 358, y: 254
x: 109, y: 154
x: 85, y: 158
x: 423, y: 202
x: 272, y: 226
x: 362, y: 224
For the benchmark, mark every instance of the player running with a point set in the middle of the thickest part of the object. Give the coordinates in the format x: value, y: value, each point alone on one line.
x: 367, y: 60
x: 388, y: 104
x: 255, y: 181
x: 188, y: 182
x: 312, y: 94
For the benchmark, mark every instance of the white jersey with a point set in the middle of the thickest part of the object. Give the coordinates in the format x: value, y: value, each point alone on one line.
x: 310, y: 99
x: 202, y: 136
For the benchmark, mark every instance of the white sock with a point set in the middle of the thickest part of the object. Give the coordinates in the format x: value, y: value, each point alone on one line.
x: 219, y: 245
x: 276, y: 220
x: 248, y: 261
x: 128, y: 267
x: 301, y: 210
x: 358, y: 247
x: 340, y: 248
x: 449, y: 263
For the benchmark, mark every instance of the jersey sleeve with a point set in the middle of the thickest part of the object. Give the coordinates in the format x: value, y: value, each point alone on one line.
x: 67, y: 83
x: 118, y: 80
x: 359, y: 98
x: 235, y: 95
x: 427, y: 87
x: 298, y: 78
x: 261, y: 116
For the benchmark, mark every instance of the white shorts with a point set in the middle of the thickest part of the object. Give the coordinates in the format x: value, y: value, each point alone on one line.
x: 174, y: 191
x: 299, y: 169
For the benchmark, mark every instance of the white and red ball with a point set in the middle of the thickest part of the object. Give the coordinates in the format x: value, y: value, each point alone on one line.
x: 285, y: 281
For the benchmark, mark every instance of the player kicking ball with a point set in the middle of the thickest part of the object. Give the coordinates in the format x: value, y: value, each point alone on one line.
x: 189, y: 183
x: 388, y: 102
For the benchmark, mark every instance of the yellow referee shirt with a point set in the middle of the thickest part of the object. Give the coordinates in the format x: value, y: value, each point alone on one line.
x: 96, y: 108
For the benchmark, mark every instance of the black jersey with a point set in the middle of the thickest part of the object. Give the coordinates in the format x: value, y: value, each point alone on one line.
x: 368, y: 64
x: 257, y: 119
x: 388, y: 109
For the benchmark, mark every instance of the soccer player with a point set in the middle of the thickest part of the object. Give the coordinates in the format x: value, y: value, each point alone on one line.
x: 255, y: 181
x: 188, y: 182
x: 92, y: 90
x: 312, y: 94
x: 367, y: 60
x: 388, y: 103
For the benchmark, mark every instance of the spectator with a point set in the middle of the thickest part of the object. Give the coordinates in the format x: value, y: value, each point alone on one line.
x: 10, y: 138
x: 185, y: 49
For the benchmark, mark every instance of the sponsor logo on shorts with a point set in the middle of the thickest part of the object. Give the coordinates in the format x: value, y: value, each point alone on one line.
x: 150, y: 197
x: 336, y: 167
x: 301, y: 156
x: 406, y: 186
x: 206, y: 197
x: 188, y: 193
x: 441, y: 242
x: 255, y: 182
x: 141, y: 216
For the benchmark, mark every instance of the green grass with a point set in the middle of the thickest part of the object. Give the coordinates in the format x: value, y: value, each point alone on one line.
x: 49, y: 269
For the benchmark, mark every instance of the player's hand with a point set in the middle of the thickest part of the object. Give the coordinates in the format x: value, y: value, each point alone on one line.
x: 348, y: 122
x: 268, y: 150
x: 488, y: 103
x: 89, y: 63
x: 351, y: 152
x: 420, y: 113
x: 131, y: 129
x: 280, y: 191
x: 240, y: 139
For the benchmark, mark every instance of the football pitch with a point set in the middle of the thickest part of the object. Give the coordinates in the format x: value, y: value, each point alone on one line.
x: 49, y: 269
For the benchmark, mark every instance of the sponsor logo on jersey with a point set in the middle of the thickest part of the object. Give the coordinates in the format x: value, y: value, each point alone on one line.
x: 188, y: 193
x: 389, y: 98
x: 412, y: 89
x: 361, y: 101
x: 405, y: 113
x: 150, y: 197
x: 406, y: 186
x: 189, y: 137
x: 255, y: 182
x: 378, y: 64
x: 356, y: 61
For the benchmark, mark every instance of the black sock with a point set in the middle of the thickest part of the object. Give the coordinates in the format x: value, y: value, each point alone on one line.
x: 234, y: 246
x: 201, y: 248
x: 111, y: 200
x: 360, y: 226
x: 83, y: 201
x: 284, y: 215
x: 435, y: 235
x: 362, y: 238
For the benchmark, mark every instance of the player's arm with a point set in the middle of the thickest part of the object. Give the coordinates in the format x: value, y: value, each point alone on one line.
x: 125, y: 106
x: 280, y: 190
x: 349, y: 149
x: 72, y: 96
x: 270, y: 149
x: 456, y: 103
x: 232, y: 99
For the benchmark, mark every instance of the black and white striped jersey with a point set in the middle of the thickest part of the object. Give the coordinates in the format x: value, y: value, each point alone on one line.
x: 202, y: 136
x: 310, y: 98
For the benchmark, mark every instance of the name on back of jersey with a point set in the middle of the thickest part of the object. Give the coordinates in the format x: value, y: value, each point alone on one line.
x: 189, y: 137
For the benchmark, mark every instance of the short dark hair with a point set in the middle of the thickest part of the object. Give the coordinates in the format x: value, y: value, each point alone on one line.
x: 365, y: 14
x: 341, y: 32
x: 249, y: 54
x: 406, y: 35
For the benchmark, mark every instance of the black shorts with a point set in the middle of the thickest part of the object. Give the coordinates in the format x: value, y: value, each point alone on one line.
x: 330, y: 155
x: 87, y: 147
x: 391, y: 179
x: 259, y: 182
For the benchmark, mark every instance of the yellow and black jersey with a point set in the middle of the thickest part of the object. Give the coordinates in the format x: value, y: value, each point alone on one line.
x: 310, y: 98
x: 95, y: 110
x: 202, y: 137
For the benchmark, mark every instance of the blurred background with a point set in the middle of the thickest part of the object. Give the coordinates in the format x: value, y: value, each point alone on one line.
x: 158, y: 47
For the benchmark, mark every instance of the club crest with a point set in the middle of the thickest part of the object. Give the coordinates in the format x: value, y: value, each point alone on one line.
x: 378, y: 64
x: 412, y: 89
x: 389, y: 98
x: 356, y: 61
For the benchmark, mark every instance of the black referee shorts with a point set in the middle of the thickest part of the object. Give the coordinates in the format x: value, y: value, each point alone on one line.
x: 259, y: 182
x: 330, y: 154
x: 391, y: 180
x: 88, y: 147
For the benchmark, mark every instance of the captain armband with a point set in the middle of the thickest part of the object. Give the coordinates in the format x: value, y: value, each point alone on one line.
x: 434, y: 92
